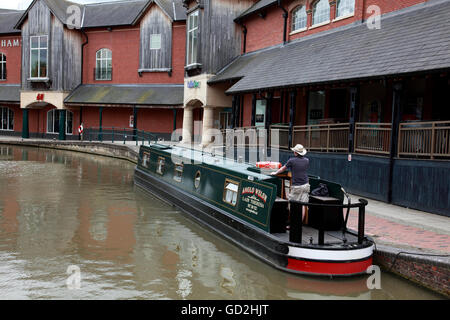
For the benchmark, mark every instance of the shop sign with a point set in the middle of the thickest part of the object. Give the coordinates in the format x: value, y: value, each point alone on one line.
x: 193, y: 84
x: 10, y: 43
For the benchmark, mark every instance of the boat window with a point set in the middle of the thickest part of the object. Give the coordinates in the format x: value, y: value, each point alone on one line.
x: 161, y: 164
x: 230, y: 192
x: 145, y: 159
x: 178, y: 174
x: 197, y: 179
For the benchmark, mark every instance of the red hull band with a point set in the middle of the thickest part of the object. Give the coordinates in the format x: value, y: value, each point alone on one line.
x: 329, y: 268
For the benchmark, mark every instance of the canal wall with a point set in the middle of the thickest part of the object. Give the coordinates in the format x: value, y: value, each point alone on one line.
x: 428, y: 270
x: 118, y: 151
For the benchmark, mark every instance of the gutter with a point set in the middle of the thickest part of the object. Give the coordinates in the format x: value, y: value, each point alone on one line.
x: 285, y: 16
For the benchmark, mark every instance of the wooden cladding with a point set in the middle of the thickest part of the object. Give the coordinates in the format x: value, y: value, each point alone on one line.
x: 156, y: 41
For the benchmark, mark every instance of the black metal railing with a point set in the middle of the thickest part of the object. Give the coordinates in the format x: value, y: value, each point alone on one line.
x: 103, y: 74
x: 114, y: 135
x: 295, y: 234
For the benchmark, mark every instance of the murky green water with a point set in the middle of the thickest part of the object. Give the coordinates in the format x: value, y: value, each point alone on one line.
x: 61, y: 209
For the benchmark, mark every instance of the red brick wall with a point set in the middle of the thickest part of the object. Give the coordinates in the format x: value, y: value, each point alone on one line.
x: 13, y: 59
x: 124, y: 44
x: 267, y: 32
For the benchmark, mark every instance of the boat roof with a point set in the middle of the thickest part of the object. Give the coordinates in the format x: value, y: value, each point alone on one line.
x: 199, y: 157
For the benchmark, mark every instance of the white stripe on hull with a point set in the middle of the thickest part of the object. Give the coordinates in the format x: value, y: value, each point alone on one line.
x: 330, y: 255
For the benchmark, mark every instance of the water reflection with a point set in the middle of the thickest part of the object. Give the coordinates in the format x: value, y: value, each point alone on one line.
x: 59, y: 209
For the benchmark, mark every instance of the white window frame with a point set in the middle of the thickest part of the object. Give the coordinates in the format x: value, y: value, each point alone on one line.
x: 230, y: 192
x: 315, y: 5
x: 105, y: 63
x: 158, y: 38
x: 69, y: 130
x: 39, y: 48
x: 299, y: 10
x: 346, y: 5
x: 194, y: 31
x: 8, y: 113
x: 2, y: 66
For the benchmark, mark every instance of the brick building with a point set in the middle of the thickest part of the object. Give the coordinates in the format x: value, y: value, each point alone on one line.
x: 116, y: 64
x: 363, y: 84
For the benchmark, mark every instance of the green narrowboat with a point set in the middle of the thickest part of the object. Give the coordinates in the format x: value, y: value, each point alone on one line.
x: 249, y: 208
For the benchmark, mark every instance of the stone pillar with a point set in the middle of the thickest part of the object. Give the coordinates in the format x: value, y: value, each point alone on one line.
x: 208, y: 124
x: 188, y: 125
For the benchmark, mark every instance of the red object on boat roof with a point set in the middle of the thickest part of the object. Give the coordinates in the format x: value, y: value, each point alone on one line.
x: 268, y: 165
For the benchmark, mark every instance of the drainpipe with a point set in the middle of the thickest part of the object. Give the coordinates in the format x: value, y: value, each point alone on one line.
x: 82, y: 52
x: 285, y: 16
x: 244, y: 31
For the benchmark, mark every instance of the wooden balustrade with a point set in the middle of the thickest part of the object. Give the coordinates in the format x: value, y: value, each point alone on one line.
x: 322, y: 137
x: 373, y: 137
x: 424, y: 139
x: 279, y: 136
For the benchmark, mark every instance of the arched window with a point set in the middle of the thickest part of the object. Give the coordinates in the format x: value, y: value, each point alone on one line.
x: 299, y: 18
x: 321, y: 12
x: 103, y: 69
x: 2, y: 66
x: 345, y: 8
x: 53, y: 121
x: 6, y: 119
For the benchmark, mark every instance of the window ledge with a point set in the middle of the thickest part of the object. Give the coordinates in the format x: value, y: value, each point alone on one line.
x: 298, y: 31
x: 344, y: 17
x: 317, y: 25
x: 39, y: 79
x: 155, y: 70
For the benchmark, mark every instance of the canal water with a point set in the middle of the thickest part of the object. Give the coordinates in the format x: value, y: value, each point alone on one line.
x: 73, y: 226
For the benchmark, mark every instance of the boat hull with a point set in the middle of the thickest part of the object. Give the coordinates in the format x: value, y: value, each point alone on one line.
x: 286, y: 256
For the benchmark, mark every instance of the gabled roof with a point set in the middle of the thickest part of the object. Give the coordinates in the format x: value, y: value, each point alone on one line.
x: 255, y: 8
x: 114, y: 13
x: 128, y: 94
x: 8, y: 19
x: 410, y: 40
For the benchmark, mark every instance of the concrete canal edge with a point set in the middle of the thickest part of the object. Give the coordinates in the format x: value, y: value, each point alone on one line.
x: 425, y: 269
x: 118, y: 151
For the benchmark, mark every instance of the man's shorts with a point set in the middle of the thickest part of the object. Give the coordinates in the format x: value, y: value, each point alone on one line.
x: 300, y: 193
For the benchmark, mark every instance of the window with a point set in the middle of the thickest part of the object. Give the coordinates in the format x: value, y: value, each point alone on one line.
x: 145, y: 159
x: 155, y: 41
x: 103, y: 70
x: 230, y: 192
x: 53, y: 121
x: 321, y: 12
x: 345, y: 8
x: 2, y: 66
x: 6, y: 119
x: 197, y: 179
x: 178, y: 174
x: 161, y: 164
x: 192, y: 38
x: 38, y: 57
x: 225, y: 120
x: 299, y: 18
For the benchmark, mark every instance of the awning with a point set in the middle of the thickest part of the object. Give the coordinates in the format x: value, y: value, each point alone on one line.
x: 410, y: 40
x: 128, y: 95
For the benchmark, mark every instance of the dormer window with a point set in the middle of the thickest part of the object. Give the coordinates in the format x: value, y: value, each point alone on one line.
x: 103, y: 70
x: 299, y: 18
x: 321, y: 12
x: 2, y: 66
x: 345, y: 8
x: 192, y: 39
x: 38, y: 57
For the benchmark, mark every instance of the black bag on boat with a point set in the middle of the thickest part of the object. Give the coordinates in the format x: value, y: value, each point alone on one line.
x: 321, y: 191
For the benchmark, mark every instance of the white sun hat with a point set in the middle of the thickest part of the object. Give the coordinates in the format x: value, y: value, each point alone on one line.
x: 299, y: 149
